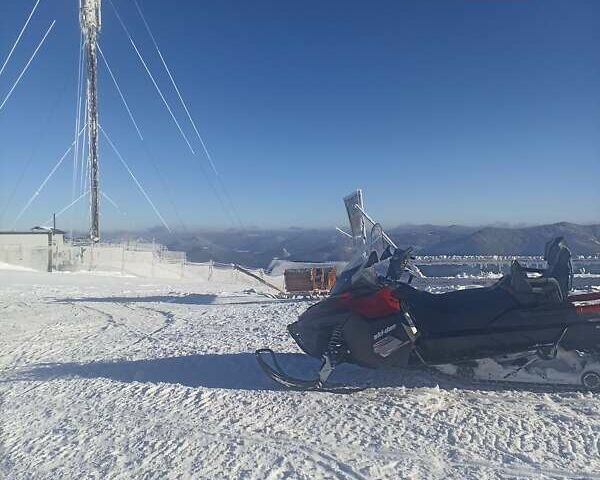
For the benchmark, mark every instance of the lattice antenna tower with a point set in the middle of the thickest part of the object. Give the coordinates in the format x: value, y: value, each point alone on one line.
x: 90, y: 19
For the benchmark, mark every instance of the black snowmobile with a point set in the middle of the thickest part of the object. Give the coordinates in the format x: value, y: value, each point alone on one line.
x: 525, y: 328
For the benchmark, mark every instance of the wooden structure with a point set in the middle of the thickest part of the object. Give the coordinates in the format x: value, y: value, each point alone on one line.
x: 315, y: 280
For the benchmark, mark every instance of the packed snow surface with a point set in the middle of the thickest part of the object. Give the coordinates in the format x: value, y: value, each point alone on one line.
x: 15, y: 268
x: 116, y: 377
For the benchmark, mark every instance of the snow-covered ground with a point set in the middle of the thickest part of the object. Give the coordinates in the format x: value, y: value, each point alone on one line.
x: 104, y: 376
x: 11, y: 267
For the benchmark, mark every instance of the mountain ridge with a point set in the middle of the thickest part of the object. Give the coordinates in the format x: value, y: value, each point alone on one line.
x: 257, y: 247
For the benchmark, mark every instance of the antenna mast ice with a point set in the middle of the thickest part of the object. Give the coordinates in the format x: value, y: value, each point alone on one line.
x: 90, y: 19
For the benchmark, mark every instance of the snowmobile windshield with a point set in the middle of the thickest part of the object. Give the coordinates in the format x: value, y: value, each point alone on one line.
x: 369, y: 264
x: 343, y: 282
x: 363, y: 272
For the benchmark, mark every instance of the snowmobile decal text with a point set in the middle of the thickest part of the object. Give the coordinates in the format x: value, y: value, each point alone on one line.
x: 385, y: 331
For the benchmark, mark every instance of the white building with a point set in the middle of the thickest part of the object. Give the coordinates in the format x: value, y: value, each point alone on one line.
x: 35, y: 249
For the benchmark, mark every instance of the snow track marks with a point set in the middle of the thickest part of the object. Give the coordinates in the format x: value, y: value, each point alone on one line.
x: 119, y: 379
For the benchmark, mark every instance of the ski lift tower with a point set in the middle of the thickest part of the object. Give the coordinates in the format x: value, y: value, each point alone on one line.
x: 90, y: 19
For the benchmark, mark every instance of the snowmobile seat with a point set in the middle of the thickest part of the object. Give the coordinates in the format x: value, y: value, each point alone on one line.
x: 531, y: 291
x: 454, y: 311
x: 554, y: 282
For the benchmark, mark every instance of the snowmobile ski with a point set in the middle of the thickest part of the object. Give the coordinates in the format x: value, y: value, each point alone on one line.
x: 277, y: 374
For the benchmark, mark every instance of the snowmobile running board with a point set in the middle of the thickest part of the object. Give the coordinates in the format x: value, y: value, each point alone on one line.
x: 584, y: 297
x: 586, y: 303
x: 277, y: 374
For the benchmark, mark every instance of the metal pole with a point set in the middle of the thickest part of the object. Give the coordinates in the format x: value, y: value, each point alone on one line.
x: 90, y: 25
x: 50, y: 251
x: 153, y: 247
x: 122, y: 258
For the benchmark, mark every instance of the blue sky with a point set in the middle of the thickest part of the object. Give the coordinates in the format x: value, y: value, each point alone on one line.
x: 447, y: 111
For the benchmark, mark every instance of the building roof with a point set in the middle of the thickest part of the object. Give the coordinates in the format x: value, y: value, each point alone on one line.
x: 47, y: 230
x: 33, y: 232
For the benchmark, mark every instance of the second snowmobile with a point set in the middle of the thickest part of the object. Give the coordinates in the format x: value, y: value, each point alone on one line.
x: 527, y: 327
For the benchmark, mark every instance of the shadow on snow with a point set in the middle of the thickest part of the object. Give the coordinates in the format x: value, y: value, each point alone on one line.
x: 188, y: 299
x: 235, y: 371
x: 240, y: 371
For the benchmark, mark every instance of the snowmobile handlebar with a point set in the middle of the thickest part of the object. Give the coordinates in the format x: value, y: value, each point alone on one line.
x: 401, y: 262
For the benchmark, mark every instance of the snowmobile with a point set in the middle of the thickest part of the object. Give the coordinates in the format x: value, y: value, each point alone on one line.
x: 526, y: 327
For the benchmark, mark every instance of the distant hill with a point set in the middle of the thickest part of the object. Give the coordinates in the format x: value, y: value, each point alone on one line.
x: 582, y: 239
x: 425, y: 237
x: 253, y: 247
x: 256, y: 248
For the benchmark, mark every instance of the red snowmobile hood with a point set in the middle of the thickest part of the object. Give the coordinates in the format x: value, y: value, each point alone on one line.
x: 376, y: 305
